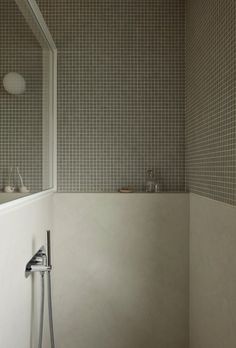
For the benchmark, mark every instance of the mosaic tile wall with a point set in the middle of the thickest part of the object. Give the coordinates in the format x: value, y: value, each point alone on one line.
x: 20, y: 116
x: 211, y: 99
x: 120, y: 92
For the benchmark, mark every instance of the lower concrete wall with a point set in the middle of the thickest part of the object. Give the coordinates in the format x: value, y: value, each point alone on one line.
x: 120, y: 274
x: 22, y: 232
x: 212, y: 274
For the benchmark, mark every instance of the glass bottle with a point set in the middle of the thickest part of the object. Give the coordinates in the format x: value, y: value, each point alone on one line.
x: 150, y: 182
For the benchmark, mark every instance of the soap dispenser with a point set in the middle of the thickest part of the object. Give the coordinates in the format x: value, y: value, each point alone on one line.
x: 150, y: 182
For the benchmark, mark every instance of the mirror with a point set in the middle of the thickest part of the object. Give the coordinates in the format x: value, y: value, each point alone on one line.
x: 27, y: 105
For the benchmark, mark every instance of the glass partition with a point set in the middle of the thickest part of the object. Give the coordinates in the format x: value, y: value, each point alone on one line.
x: 27, y: 106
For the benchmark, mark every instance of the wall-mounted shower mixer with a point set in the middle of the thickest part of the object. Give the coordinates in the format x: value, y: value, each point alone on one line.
x: 38, y: 263
x: 41, y: 262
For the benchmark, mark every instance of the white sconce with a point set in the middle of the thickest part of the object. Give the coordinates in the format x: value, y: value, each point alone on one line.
x: 14, y: 83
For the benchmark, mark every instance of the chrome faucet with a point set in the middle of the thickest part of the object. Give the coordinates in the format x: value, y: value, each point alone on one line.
x: 41, y: 261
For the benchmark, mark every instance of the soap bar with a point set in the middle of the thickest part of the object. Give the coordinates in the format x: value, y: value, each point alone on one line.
x: 125, y: 190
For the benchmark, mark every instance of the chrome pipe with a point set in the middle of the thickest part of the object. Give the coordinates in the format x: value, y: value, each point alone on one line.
x: 49, y: 249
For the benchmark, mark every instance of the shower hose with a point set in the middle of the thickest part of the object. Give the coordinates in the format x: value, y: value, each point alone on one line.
x: 49, y: 310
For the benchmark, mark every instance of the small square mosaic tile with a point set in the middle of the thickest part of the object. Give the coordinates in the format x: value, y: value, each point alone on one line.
x: 120, y: 92
x: 210, y: 99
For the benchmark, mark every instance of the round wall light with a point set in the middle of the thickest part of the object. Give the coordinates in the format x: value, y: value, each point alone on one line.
x: 14, y: 83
